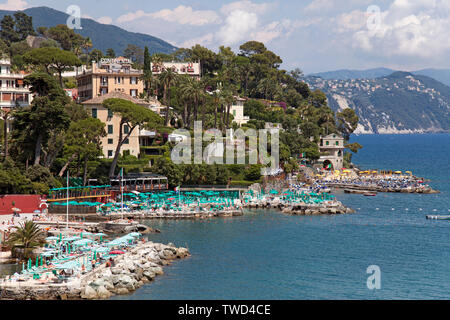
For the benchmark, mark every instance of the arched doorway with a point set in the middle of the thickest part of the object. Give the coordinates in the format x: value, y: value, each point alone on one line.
x: 328, y: 165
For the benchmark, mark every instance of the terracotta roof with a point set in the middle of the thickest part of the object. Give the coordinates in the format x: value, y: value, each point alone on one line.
x: 114, y: 95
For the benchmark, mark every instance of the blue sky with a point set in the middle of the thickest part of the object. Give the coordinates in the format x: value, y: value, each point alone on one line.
x: 313, y: 35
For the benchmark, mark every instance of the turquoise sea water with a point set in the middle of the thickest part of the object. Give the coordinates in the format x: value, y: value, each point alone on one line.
x: 268, y: 255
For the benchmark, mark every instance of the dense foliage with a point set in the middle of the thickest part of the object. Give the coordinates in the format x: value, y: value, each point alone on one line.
x: 54, y: 134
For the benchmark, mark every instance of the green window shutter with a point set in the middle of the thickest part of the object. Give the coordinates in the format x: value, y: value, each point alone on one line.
x: 94, y: 113
x: 126, y: 129
x: 110, y: 113
x: 110, y: 129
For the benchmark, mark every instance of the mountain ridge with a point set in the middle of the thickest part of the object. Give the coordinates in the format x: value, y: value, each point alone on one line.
x: 441, y: 75
x: 103, y: 36
x: 401, y: 102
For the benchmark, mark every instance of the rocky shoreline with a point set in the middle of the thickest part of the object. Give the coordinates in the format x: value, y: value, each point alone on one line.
x: 136, y: 267
x: 305, y: 209
x: 354, y: 189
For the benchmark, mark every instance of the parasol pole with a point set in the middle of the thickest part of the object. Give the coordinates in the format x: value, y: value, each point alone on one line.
x: 121, y: 188
x: 67, y: 210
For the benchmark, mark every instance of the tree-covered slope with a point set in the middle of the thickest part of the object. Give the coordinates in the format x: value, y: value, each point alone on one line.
x: 398, y: 103
x: 103, y: 36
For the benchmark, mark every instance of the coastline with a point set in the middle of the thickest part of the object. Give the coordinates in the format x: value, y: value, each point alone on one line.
x: 136, y: 267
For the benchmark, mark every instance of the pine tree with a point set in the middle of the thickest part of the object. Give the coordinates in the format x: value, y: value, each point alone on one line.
x: 8, y: 33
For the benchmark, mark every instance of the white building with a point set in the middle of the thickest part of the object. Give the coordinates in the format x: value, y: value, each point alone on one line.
x: 13, y: 92
x: 190, y: 68
x: 237, y: 110
x: 333, y: 147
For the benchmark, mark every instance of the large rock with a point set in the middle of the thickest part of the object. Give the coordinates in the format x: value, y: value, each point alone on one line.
x: 89, y: 293
x: 122, y: 291
x: 116, y: 270
x: 156, y: 270
x: 150, y: 275
x: 103, y: 293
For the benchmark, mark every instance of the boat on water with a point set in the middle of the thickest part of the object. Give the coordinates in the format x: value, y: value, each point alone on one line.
x: 370, y: 194
x: 438, y: 217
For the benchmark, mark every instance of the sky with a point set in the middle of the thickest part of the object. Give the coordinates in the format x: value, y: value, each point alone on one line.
x: 313, y: 35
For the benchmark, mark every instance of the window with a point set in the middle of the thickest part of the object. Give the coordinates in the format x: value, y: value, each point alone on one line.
x: 110, y: 153
x: 327, y: 143
x: 133, y: 92
x: 110, y: 141
x: 133, y: 80
x: 110, y: 113
x: 234, y: 113
x: 337, y: 143
x: 110, y: 129
x: 126, y: 141
x: 94, y: 113
x: 126, y: 129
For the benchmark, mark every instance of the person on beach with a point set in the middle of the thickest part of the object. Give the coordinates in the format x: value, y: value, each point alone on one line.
x: 93, y: 264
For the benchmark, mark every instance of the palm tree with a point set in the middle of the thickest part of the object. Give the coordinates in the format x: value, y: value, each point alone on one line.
x: 147, y: 77
x: 168, y: 78
x: 194, y: 91
x: 86, y: 46
x: 6, y: 116
x: 228, y: 99
x: 27, y: 235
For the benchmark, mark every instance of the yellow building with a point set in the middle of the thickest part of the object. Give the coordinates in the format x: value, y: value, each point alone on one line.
x: 107, y: 76
x: 112, y: 124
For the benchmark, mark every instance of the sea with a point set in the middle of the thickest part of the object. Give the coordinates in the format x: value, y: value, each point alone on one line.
x: 265, y: 254
x: 268, y: 255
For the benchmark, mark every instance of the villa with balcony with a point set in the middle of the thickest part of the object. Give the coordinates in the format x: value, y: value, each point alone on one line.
x: 13, y: 92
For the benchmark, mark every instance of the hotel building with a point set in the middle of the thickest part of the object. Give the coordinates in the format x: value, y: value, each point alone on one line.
x: 13, y: 92
x: 107, y: 76
x: 131, y: 146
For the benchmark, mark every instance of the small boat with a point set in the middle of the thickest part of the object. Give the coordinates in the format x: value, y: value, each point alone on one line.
x: 370, y: 194
x: 443, y: 217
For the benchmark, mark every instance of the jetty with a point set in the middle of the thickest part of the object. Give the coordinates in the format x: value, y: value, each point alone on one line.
x: 128, y: 271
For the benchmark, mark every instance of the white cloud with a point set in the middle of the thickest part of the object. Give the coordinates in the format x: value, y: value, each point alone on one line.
x: 105, y: 20
x: 414, y: 28
x: 181, y: 14
x: 205, y: 40
x: 246, y: 5
x: 237, y: 26
x: 14, y: 5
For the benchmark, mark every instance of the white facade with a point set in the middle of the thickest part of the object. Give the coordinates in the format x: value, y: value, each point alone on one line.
x: 13, y: 92
x: 189, y: 68
x: 333, y: 145
x: 237, y: 110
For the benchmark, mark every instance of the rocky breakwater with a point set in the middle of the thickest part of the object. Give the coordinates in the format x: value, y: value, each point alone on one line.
x: 131, y: 270
x: 313, y: 209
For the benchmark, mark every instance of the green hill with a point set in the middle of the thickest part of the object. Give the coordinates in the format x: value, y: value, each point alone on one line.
x: 103, y: 36
x: 398, y: 103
